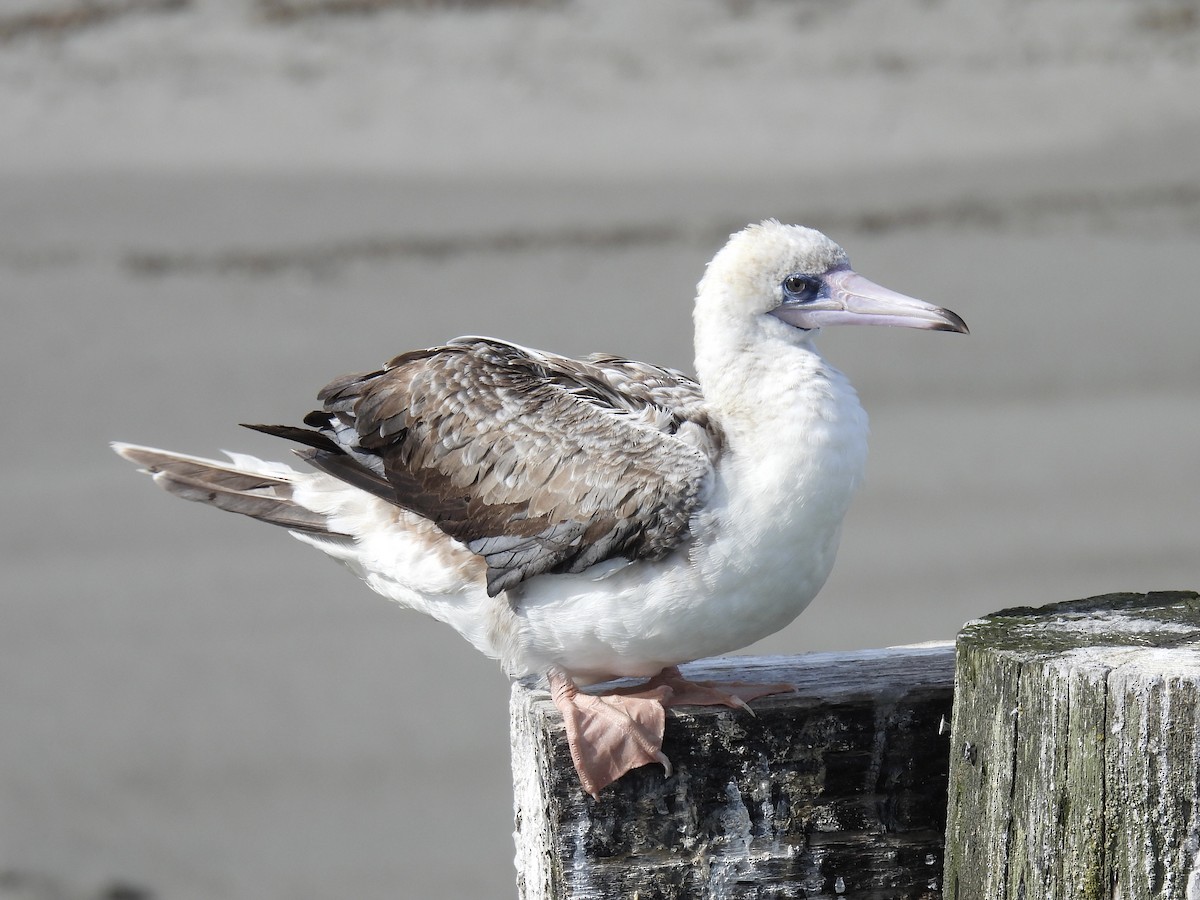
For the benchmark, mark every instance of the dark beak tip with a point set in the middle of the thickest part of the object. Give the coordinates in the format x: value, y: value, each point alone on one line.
x: 954, y: 322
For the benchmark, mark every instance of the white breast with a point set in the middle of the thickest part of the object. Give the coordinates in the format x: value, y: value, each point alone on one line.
x: 763, y: 546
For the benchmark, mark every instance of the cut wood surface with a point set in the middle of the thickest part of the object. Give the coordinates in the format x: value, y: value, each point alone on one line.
x: 835, y: 790
x: 1075, y: 754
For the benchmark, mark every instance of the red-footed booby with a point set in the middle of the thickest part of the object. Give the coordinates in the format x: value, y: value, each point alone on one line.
x: 599, y: 518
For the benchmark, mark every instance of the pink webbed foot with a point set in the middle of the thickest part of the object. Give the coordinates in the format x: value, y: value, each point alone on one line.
x: 610, y: 734
x: 734, y: 694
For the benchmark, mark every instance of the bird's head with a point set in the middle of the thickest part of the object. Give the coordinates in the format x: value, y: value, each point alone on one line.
x: 771, y: 273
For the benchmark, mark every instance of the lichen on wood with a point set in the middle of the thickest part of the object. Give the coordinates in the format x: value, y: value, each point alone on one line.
x: 1075, y: 751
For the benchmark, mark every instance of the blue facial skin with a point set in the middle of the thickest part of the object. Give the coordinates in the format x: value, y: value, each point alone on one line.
x: 799, y: 289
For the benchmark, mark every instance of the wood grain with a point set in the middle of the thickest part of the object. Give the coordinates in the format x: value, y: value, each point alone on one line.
x: 836, y: 790
x: 1075, y: 754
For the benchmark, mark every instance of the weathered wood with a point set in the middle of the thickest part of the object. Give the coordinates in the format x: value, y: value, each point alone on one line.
x: 1075, y: 753
x: 835, y: 791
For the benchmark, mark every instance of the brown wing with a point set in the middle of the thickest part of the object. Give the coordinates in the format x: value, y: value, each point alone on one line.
x: 536, y: 462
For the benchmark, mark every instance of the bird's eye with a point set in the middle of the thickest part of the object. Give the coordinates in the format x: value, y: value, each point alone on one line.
x: 801, y: 288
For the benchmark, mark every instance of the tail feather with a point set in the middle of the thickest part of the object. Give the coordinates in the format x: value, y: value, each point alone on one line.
x: 265, y: 495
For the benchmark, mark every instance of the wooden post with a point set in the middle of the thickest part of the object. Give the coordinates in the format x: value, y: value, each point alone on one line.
x: 1075, y: 754
x: 835, y: 791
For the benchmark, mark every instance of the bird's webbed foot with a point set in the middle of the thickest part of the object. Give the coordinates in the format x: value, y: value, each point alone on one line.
x: 610, y: 734
x: 734, y: 694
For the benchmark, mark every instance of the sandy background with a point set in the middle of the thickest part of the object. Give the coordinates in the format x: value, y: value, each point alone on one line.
x: 208, y: 209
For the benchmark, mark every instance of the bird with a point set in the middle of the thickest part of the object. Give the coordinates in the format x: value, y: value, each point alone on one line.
x: 587, y: 520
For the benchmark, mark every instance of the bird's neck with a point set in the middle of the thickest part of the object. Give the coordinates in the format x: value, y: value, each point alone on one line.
x: 772, y: 386
x: 795, y: 433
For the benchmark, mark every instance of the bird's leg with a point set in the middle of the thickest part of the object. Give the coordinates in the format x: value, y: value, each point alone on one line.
x: 612, y: 733
x: 712, y: 693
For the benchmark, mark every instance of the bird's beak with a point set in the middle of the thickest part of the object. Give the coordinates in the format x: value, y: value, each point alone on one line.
x: 850, y: 299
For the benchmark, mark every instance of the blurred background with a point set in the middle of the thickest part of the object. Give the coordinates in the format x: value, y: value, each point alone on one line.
x: 209, y: 208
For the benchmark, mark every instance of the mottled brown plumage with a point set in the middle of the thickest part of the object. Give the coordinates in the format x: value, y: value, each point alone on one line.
x: 538, y: 463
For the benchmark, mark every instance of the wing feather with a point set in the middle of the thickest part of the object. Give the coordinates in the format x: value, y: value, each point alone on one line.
x: 537, y: 463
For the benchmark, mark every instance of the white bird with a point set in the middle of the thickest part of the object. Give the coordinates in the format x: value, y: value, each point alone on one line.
x: 598, y: 518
